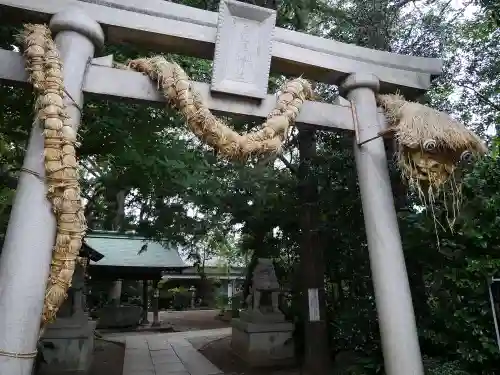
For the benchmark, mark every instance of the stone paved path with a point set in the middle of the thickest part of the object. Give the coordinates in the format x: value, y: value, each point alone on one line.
x: 169, y: 354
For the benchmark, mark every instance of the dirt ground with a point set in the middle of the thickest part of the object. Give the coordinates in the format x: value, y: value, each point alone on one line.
x: 173, y: 321
x: 219, y: 353
x: 193, y: 320
x: 108, y: 358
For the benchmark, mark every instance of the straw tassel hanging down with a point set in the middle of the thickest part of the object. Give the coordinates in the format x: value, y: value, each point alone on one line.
x: 430, y: 147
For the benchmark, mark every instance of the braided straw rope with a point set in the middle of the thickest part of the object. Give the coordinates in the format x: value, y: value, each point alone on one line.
x: 63, y: 190
x: 61, y: 175
x: 176, y: 88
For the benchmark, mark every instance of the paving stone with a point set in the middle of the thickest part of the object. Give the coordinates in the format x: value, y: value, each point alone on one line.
x: 168, y: 354
x: 143, y: 358
x: 195, y: 362
x: 138, y: 366
x: 163, y: 353
x: 170, y: 367
x: 166, y: 359
x: 157, y: 343
x: 179, y: 344
x: 136, y: 343
x: 137, y: 360
x: 137, y: 352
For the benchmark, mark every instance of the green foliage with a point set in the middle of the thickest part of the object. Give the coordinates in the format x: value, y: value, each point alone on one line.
x: 15, y: 124
x: 492, y: 11
x: 178, y: 298
x: 440, y: 367
x: 236, y: 303
x: 456, y: 317
x: 222, y: 302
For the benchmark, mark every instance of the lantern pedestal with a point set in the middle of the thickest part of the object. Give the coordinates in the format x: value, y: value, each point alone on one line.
x: 263, y: 344
x: 68, y: 343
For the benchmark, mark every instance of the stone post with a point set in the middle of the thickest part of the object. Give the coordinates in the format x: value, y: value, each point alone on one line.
x: 115, y: 293
x: 156, y: 297
x: 77, y: 286
x: 192, y: 289
x: 25, y: 260
x: 71, y: 335
x: 145, y: 302
x: 390, y: 280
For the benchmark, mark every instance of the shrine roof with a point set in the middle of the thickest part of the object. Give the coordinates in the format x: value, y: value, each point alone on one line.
x: 131, y: 251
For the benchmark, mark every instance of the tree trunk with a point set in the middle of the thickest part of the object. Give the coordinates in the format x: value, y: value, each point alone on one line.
x: 119, y: 220
x: 155, y: 304
x: 312, y: 270
x: 90, y: 207
x: 145, y: 302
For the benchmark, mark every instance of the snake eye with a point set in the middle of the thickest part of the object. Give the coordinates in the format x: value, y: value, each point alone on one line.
x: 429, y: 145
x: 467, y: 157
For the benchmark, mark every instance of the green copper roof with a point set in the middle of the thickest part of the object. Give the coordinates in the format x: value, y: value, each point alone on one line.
x: 124, y: 250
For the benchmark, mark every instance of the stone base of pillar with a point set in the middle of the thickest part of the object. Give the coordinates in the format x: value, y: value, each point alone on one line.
x: 115, y: 293
x: 68, y: 346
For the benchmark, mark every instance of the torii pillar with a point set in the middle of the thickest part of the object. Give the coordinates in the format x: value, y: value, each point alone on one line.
x: 397, y: 324
x: 26, y: 255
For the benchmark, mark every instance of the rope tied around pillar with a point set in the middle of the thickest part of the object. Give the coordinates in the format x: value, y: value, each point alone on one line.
x: 4, y: 353
x: 80, y: 109
x: 33, y: 173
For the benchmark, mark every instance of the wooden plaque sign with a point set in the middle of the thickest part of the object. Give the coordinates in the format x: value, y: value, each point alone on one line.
x: 243, y: 49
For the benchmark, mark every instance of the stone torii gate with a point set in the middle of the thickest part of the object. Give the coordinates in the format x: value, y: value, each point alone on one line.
x: 244, y: 38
